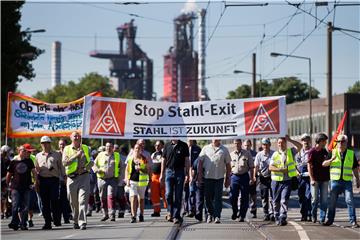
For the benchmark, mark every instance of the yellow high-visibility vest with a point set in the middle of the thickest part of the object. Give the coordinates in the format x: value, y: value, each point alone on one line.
x: 279, y: 176
x: 69, y: 151
x: 101, y: 163
x: 143, y: 176
x: 336, y: 165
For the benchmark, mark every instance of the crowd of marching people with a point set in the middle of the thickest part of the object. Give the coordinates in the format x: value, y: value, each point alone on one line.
x: 71, y: 182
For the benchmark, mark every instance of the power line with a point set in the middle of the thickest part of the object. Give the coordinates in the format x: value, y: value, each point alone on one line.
x: 126, y: 13
x: 216, y: 26
x: 275, y: 68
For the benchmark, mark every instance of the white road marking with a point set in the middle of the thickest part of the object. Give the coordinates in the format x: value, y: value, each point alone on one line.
x: 68, y: 236
x: 300, y: 230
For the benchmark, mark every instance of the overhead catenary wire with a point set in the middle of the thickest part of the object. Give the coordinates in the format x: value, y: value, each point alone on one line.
x: 307, y: 36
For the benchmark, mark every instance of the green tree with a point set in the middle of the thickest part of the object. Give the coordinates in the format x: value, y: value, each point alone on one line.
x: 291, y: 87
x: 354, y: 88
x: 71, y: 91
x: 17, y: 53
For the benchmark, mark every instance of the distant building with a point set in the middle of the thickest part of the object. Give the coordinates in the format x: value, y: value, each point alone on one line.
x: 130, y: 69
x: 181, y: 63
x: 298, y: 116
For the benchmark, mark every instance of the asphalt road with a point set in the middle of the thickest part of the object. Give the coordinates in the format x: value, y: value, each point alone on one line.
x: 158, y: 228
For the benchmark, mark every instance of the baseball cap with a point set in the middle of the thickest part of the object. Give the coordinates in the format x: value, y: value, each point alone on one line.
x: 28, y: 147
x: 304, y: 136
x: 45, y: 139
x: 265, y: 141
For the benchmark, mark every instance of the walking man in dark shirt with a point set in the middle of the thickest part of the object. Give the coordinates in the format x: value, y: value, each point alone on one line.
x: 174, y: 172
x: 319, y: 177
x: 18, y: 178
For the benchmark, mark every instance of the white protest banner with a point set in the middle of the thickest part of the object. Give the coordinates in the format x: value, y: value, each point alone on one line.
x: 222, y: 119
x: 31, y: 117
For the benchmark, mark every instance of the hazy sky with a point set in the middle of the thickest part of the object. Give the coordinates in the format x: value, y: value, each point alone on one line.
x: 240, y: 31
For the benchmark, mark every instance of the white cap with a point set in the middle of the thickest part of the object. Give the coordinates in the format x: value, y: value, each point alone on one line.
x: 45, y: 139
x: 305, y: 136
x: 5, y: 148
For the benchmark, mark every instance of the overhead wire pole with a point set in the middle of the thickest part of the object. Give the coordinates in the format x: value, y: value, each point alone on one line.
x: 329, y: 81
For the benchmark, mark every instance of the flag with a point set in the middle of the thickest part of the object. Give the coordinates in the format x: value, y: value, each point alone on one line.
x: 95, y: 94
x: 339, y: 131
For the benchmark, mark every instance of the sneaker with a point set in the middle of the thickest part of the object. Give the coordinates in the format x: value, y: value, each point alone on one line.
x: 13, y: 226
x: 217, y: 220
x: 155, y: 214
x: 104, y: 218
x: 283, y: 223
x: 24, y: 228
x: 209, y: 219
x: 178, y: 220
x: 46, y: 227
x: 354, y: 225
x: 327, y: 223
x: 198, y: 217
x: 121, y: 215
x: 57, y: 224
x: 83, y: 227
x: 76, y: 226
x: 233, y: 216
x: 168, y: 218
x: 112, y: 218
x: 141, y: 218
x: 190, y: 215
x: 241, y: 219
x: 31, y: 224
x: 133, y: 220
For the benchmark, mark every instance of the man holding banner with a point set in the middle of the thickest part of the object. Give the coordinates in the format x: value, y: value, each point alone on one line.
x: 76, y: 159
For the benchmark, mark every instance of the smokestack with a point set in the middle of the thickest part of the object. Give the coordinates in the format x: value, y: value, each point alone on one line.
x: 56, y: 64
x: 202, y: 55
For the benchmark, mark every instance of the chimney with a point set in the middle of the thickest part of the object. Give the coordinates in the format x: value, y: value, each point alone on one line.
x: 56, y: 64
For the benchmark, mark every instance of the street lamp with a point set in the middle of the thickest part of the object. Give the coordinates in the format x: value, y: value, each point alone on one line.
x: 257, y: 74
x: 274, y: 54
x: 34, y: 31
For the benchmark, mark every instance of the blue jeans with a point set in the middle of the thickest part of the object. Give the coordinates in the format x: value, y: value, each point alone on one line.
x: 240, y: 183
x: 281, y: 191
x: 199, y: 189
x: 338, y: 187
x: 320, y: 188
x: 304, y: 194
x: 20, y: 206
x: 174, y: 183
x: 213, y: 196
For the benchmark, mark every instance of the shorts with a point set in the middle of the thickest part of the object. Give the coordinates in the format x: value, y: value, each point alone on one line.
x: 135, y: 190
